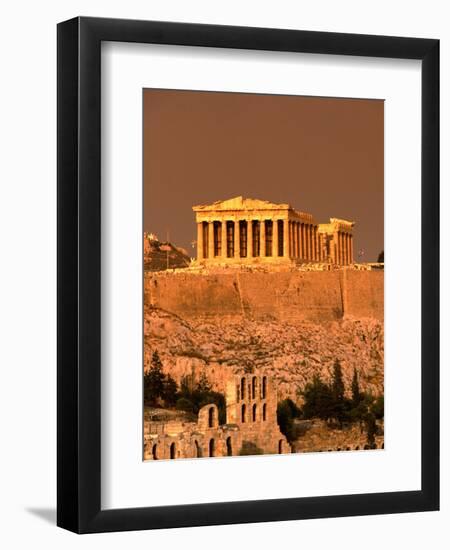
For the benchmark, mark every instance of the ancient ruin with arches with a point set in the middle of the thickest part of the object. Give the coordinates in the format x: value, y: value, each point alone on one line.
x: 251, y: 419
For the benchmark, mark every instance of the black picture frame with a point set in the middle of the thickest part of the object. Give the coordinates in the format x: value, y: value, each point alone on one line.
x: 79, y: 280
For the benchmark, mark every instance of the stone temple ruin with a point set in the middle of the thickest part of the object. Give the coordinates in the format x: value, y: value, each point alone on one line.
x: 252, y: 231
x: 251, y: 418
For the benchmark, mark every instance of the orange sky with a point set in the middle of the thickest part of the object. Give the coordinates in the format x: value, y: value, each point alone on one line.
x: 324, y: 156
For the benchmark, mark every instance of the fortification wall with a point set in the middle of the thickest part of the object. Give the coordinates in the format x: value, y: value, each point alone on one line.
x: 363, y: 293
x: 316, y: 296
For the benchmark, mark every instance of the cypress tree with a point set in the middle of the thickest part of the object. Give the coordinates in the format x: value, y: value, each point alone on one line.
x: 356, y: 394
x: 154, y: 381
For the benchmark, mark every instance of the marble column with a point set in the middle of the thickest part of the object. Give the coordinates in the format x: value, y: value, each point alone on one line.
x: 297, y: 228
x: 316, y: 244
x: 294, y: 240
x: 236, y: 240
x: 344, y: 251
x: 200, y: 241
x: 302, y: 239
x: 334, y: 249
x: 309, y: 241
x: 294, y: 229
x: 351, y: 249
x: 249, y: 239
x: 262, y: 238
x: 210, y: 240
x: 286, y: 238
x: 223, y: 237
x: 338, y: 248
x: 347, y: 249
x: 275, y: 238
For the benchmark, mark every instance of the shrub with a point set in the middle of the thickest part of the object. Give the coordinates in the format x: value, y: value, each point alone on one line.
x: 287, y: 411
x: 249, y: 448
x: 184, y: 404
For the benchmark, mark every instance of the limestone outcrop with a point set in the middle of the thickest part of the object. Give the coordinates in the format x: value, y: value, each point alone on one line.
x: 290, y: 352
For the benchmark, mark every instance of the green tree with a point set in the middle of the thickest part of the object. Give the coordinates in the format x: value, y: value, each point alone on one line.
x: 154, y: 381
x: 201, y: 394
x: 169, y: 393
x: 203, y: 385
x: 287, y: 411
x: 356, y: 393
x: 340, y: 405
x: 318, y: 399
x: 337, y: 382
x: 378, y: 407
x: 184, y: 404
x: 371, y: 427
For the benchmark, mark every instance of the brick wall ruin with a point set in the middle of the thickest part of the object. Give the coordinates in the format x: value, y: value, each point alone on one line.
x: 251, y: 404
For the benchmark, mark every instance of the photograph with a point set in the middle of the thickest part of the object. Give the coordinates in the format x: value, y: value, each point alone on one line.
x: 263, y: 274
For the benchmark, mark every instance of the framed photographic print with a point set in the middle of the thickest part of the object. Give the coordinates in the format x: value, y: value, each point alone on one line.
x: 248, y: 258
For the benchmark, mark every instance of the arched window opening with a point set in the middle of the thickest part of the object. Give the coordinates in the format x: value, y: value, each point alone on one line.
x: 280, y: 446
x: 229, y: 447
x: 264, y: 388
x: 243, y: 388
x: 172, y: 451
x: 254, y: 387
x: 211, y: 417
x: 155, y: 452
x: 211, y: 447
x: 264, y: 415
x: 198, y: 452
x: 254, y: 413
x: 243, y: 413
x: 357, y: 448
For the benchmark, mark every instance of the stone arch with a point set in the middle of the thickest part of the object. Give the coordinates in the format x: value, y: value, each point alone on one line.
x: 229, y: 447
x: 264, y: 387
x: 243, y: 413
x: 242, y: 388
x: 155, y: 451
x: 254, y: 387
x: 254, y: 412
x: 212, y: 447
x: 211, y: 417
x: 172, y: 450
x: 264, y: 412
x: 208, y: 417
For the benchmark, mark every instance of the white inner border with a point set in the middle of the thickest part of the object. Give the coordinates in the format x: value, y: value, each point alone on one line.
x: 127, y: 481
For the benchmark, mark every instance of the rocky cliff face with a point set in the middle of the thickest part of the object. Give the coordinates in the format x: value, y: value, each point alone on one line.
x: 291, y: 351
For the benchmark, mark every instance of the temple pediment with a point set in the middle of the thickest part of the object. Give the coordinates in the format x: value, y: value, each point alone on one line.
x: 240, y: 203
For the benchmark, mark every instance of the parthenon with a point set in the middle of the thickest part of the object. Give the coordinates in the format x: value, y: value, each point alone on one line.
x: 247, y: 231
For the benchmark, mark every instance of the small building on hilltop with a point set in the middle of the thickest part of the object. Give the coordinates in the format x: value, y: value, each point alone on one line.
x: 251, y: 426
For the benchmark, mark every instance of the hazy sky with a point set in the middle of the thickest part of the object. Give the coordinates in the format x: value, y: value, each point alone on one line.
x: 324, y: 156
